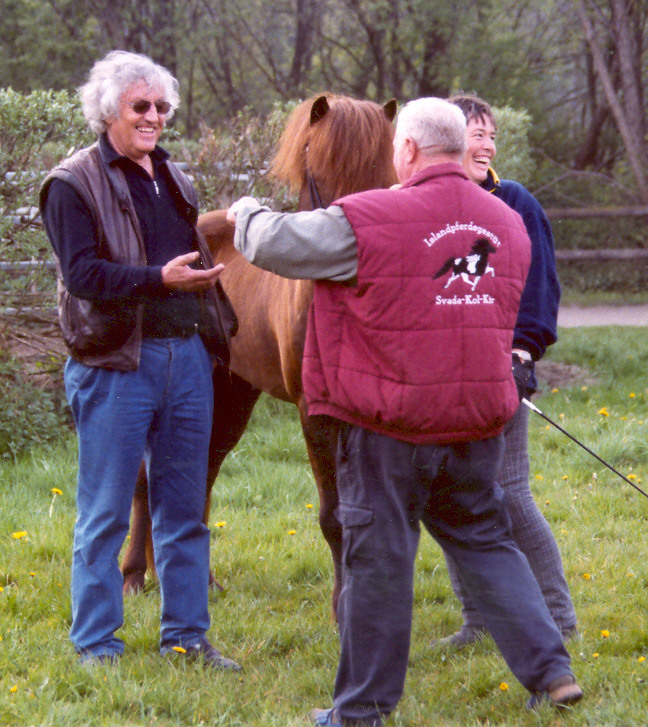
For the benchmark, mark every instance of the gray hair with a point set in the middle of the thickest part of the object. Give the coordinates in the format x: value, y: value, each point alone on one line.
x: 434, y: 125
x: 111, y: 76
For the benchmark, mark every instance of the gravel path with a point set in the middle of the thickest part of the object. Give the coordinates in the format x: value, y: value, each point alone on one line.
x: 603, y: 315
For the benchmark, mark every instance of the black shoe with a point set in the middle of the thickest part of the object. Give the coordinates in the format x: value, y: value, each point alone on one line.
x: 560, y: 693
x: 203, y: 650
x: 466, y: 636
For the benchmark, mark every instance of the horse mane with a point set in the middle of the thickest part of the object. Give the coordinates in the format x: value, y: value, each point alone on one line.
x: 349, y: 149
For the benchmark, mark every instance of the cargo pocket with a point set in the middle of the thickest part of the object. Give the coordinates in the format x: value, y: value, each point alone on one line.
x: 356, y: 536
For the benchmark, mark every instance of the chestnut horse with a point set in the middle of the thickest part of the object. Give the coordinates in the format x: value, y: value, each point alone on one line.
x: 331, y: 146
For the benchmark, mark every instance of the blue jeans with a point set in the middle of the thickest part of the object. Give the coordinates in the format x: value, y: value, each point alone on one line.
x: 386, y: 489
x: 162, y: 413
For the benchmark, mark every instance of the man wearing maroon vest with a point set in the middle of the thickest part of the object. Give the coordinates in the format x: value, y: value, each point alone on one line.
x: 412, y: 354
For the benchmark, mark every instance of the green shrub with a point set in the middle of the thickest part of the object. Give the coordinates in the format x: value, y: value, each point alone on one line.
x: 513, y: 160
x: 29, y: 415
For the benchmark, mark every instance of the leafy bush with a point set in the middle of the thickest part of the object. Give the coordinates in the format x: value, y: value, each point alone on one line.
x: 29, y: 415
x: 513, y: 160
x: 233, y: 160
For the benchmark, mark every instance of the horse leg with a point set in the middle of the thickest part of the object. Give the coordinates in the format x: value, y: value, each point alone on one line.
x: 320, y: 433
x: 139, y: 550
x: 234, y: 400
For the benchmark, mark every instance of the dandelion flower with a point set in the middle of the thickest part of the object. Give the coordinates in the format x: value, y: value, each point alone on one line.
x: 632, y: 477
x: 310, y: 505
x: 595, y: 655
x: 14, y: 688
x: 503, y: 686
x: 539, y: 477
x: 56, y: 491
x: 554, y: 391
x: 291, y: 532
x: 19, y: 534
x: 632, y: 395
x: 221, y: 524
x: 586, y: 576
x: 179, y: 649
x: 603, y: 412
x: 565, y: 477
x: 605, y: 633
x: 641, y: 659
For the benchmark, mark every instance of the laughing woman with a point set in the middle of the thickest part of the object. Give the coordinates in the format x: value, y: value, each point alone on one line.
x: 535, y: 330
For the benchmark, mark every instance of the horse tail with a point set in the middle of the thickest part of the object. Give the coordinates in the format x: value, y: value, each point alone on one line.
x: 447, y: 265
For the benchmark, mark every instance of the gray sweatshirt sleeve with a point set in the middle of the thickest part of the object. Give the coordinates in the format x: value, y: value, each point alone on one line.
x: 317, y: 245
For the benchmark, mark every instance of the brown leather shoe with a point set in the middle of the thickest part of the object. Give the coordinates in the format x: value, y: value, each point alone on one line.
x: 561, y: 692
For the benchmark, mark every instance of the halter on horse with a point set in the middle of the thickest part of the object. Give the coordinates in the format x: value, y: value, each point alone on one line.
x: 331, y: 146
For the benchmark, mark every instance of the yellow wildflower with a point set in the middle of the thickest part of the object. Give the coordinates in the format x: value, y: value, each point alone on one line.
x: 56, y: 491
x: 309, y: 505
x: 14, y: 688
x: 605, y: 633
x: 19, y: 534
x: 291, y: 532
x: 595, y: 655
x: 221, y: 524
x: 179, y: 649
x: 603, y: 412
x: 503, y: 686
x: 586, y: 576
x: 641, y: 659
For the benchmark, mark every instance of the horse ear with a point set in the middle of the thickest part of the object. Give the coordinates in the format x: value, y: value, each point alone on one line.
x: 390, y: 109
x: 318, y: 109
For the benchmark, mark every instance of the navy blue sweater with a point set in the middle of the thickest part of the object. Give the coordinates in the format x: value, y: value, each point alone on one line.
x: 166, y: 233
x: 537, y: 322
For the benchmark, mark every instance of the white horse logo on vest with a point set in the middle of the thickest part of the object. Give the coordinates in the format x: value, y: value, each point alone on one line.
x: 474, y: 265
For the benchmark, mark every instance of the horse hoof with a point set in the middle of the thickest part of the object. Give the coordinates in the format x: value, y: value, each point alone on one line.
x: 133, y: 584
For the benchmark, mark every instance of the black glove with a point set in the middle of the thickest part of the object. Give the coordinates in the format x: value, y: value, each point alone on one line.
x: 523, y: 375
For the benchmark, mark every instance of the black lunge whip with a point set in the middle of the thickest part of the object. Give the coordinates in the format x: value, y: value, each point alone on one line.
x: 534, y: 408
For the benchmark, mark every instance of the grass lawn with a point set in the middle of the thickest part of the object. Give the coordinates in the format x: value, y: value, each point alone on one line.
x: 273, y: 616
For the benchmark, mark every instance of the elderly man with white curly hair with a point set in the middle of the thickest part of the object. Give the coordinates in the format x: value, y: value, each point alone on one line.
x: 145, y: 321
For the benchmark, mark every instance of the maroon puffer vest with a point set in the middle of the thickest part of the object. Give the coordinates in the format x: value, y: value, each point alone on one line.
x: 420, y: 347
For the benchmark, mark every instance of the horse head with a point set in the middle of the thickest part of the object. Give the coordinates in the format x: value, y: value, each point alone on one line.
x: 482, y: 246
x: 334, y: 145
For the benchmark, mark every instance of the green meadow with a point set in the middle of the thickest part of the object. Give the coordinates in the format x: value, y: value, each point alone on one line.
x: 274, y: 613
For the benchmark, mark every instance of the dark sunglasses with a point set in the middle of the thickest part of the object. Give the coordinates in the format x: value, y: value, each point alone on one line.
x: 142, y: 106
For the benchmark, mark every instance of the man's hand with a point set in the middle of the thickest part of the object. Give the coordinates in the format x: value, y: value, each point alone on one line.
x: 236, y: 206
x: 522, y: 366
x: 177, y: 274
